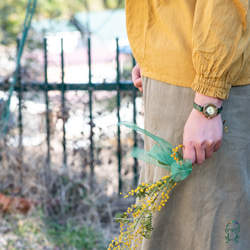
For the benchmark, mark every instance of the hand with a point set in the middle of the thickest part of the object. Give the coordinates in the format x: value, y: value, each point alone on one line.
x: 202, y: 136
x: 136, y: 77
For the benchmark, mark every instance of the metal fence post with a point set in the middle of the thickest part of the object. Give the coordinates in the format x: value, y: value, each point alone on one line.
x: 135, y: 167
x: 91, y: 123
x: 46, y: 87
x: 20, y: 119
x: 63, y: 107
x: 119, y: 153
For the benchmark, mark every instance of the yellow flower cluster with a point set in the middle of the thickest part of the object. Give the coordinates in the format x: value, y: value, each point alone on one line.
x: 136, y: 223
x: 175, y: 152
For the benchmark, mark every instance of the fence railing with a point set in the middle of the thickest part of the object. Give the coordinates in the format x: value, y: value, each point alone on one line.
x: 63, y: 87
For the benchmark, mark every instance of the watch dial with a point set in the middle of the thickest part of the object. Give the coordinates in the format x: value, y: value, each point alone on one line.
x: 210, y: 110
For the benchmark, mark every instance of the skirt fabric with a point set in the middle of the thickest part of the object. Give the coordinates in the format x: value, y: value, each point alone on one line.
x: 215, y: 193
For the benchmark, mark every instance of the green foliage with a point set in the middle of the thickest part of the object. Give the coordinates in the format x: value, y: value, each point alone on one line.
x: 122, y: 218
x: 59, y: 8
x: 112, y: 4
x: 38, y: 232
x: 12, y: 13
x: 77, y: 236
x: 146, y: 222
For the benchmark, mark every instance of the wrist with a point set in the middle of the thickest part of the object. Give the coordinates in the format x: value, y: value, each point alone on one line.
x: 210, y: 107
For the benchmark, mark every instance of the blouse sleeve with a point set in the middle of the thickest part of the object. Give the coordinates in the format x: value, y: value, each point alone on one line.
x: 220, y: 37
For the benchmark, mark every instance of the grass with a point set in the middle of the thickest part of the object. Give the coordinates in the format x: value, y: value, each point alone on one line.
x: 37, y: 232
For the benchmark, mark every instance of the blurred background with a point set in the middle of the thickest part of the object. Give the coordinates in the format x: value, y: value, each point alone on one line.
x: 65, y: 84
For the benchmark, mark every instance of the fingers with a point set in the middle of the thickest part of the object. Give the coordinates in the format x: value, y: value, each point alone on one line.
x: 198, y: 154
x: 195, y: 154
x: 138, y: 84
x: 136, y: 77
x: 136, y: 73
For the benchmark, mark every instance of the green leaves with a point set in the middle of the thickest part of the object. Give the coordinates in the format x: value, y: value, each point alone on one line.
x: 122, y: 218
x: 146, y: 222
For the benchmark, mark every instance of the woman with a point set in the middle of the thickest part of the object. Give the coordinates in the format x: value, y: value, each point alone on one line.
x: 191, y: 54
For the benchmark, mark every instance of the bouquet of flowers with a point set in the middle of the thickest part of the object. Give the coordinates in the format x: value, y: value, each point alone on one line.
x: 136, y: 222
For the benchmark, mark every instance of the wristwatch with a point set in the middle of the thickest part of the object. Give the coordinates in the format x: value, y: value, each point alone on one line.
x: 210, y: 110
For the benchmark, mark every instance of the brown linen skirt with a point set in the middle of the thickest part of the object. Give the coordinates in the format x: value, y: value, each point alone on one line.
x: 215, y: 193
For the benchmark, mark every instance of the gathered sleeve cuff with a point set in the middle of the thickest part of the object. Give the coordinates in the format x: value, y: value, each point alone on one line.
x: 211, y: 87
x: 220, y: 37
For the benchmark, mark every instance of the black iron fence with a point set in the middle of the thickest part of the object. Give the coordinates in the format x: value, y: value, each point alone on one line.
x: 45, y: 86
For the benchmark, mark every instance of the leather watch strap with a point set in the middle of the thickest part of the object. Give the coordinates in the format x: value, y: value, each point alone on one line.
x: 200, y: 108
x: 219, y: 110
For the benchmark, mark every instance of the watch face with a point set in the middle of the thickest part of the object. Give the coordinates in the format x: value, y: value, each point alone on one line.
x: 210, y: 110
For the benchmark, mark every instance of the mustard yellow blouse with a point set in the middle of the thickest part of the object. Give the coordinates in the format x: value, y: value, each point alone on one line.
x: 203, y: 44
